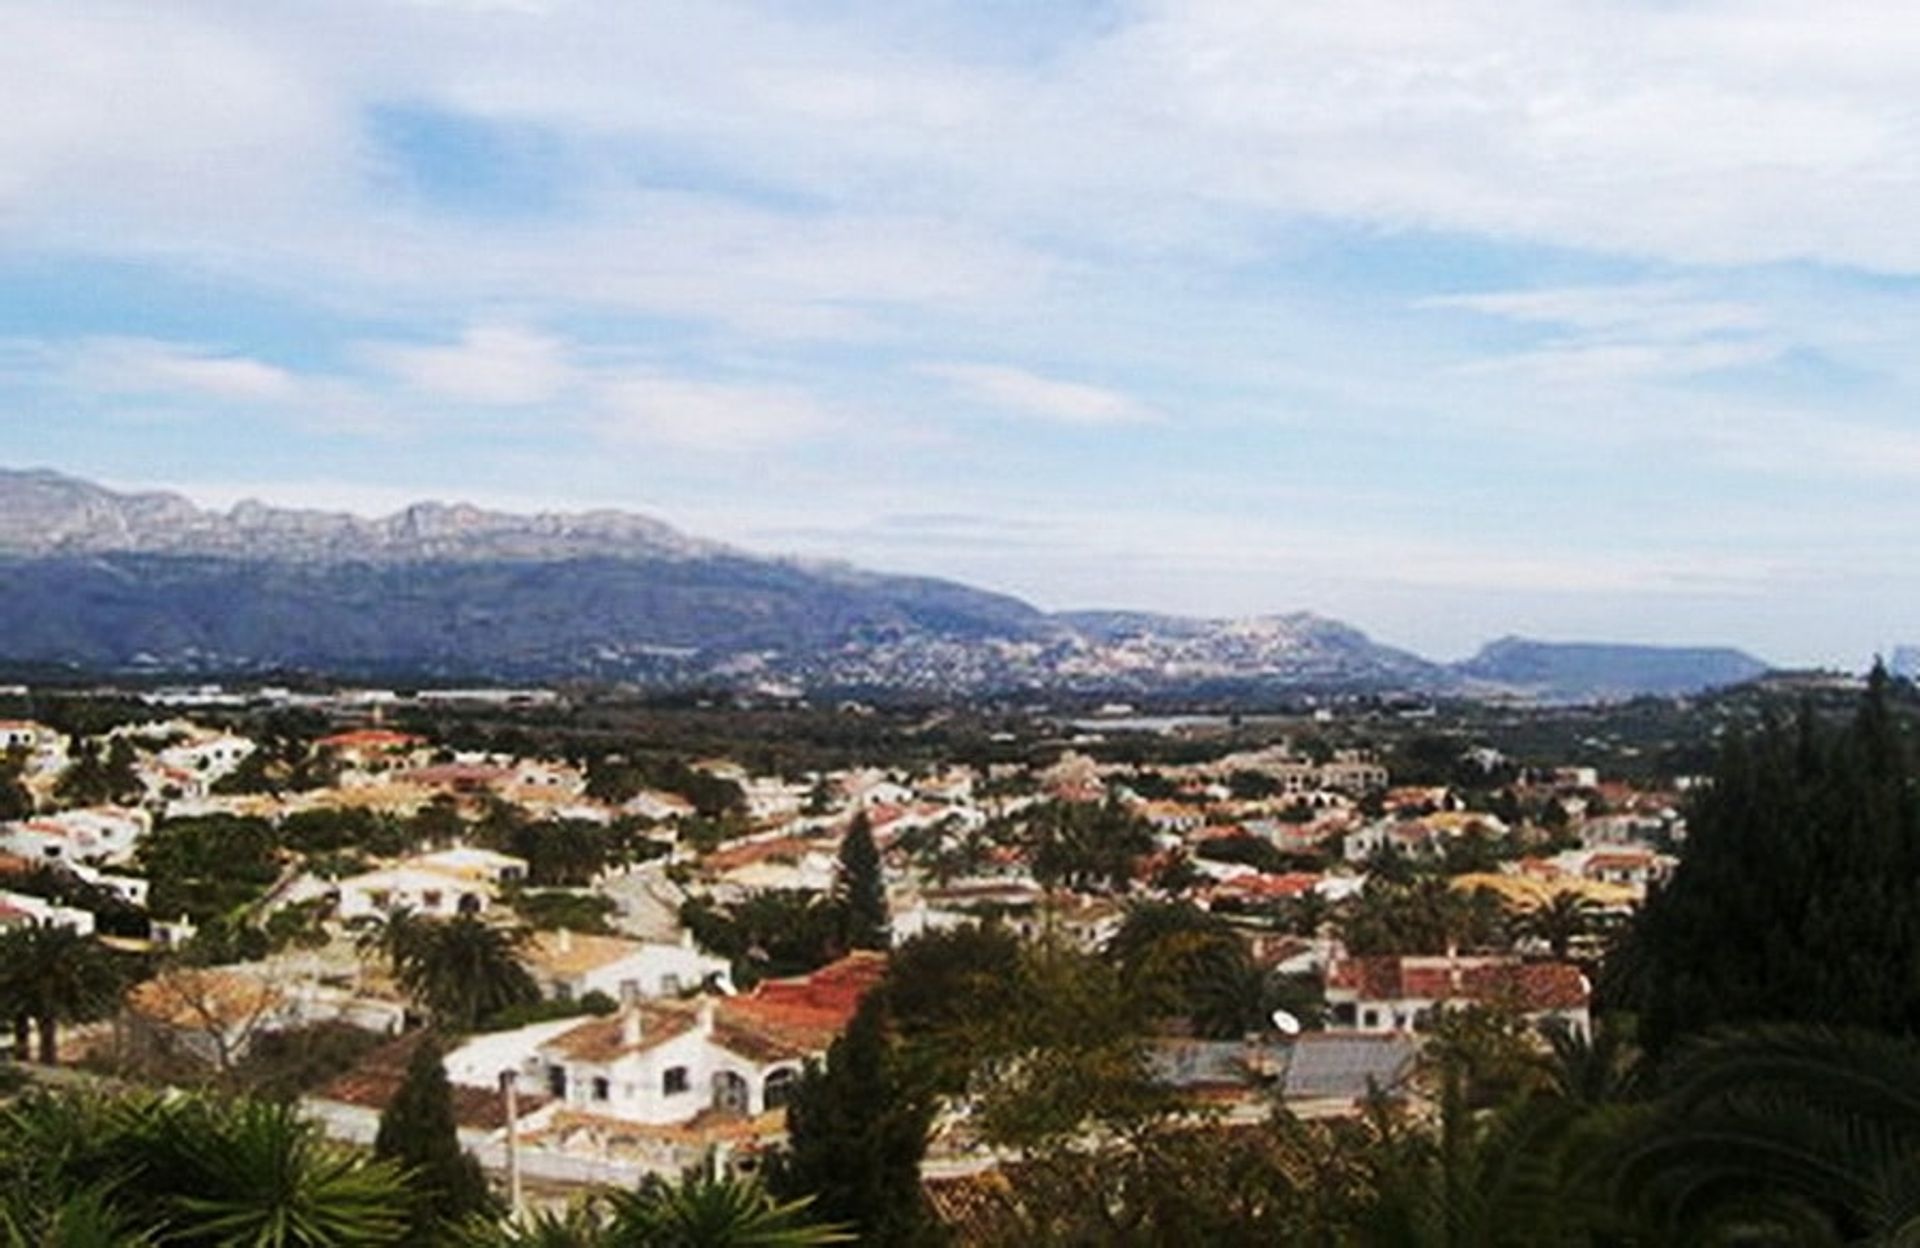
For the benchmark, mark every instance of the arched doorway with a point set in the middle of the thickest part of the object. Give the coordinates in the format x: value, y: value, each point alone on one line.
x: 779, y: 1087
x: 730, y: 1092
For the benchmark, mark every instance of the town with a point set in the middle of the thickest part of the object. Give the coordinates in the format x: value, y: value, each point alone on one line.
x: 631, y: 955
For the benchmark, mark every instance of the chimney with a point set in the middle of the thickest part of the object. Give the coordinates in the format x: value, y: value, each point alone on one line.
x: 630, y: 1028
x: 686, y: 938
x: 565, y: 941
x: 706, y: 1016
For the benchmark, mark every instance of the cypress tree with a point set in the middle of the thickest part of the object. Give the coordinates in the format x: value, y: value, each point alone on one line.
x: 1797, y: 898
x: 417, y: 1130
x: 863, y: 890
x: 857, y: 1130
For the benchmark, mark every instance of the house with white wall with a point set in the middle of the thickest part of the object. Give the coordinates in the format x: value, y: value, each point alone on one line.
x: 569, y: 965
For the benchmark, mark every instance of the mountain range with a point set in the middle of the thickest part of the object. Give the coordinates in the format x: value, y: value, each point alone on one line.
x: 109, y: 581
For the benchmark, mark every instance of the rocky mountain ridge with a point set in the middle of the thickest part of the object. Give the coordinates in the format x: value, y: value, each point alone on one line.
x: 109, y: 581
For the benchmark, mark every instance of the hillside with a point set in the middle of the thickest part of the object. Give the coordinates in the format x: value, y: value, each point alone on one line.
x: 104, y: 580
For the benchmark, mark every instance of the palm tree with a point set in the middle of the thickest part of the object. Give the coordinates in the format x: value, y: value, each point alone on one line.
x: 1783, y: 1134
x: 580, y: 1225
x: 1560, y: 920
x: 705, y: 1212
x: 697, y: 1212
x: 254, y: 1174
x: 84, y: 1219
x: 1531, y: 1172
x: 54, y: 975
x: 460, y: 970
x: 85, y: 1168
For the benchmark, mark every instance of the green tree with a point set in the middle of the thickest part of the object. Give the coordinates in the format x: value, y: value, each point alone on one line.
x: 950, y: 992
x: 862, y: 888
x: 1787, y: 1134
x: 769, y: 933
x: 857, y: 1132
x: 50, y: 976
x: 419, y: 1135
x: 705, y: 1212
x: 459, y: 970
x: 1798, y: 895
x: 99, y: 773
x: 1086, y: 847
x: 122, y: 1168
x: 15, y: 800
x: 206, y: 867
x: 1560, y: 921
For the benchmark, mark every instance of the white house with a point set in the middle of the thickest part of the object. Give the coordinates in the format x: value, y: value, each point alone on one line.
x: 661, y: 1062
x: 1392, y: 992
x: 569, y: 965
x: 26, y: 910
x: 381, y: 894
x: 94, y: 834
x: 471, y: 863
x: 665, y: 1062
x: 211, y: 756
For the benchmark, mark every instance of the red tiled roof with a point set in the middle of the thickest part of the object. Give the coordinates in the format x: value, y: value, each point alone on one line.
x: 373, y: 1083
x: 1620, y: 858
x: 1288, y: 884
x: 455, y: 773
x: 735, y: 856
x: 1528, y: 986
x: 809, y: 1011
x: 370, y: 739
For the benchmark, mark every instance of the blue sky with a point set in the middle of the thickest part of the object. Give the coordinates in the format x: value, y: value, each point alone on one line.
x: 1450, y: 319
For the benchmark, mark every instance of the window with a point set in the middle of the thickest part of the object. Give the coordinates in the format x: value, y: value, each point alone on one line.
x: 674, y: 1082
x: 379, y: 898
x: 669, y: 985
x: 778, y: 1088
x: 430, y: 899
x: 557, y: 1081
x: 601, y: 1089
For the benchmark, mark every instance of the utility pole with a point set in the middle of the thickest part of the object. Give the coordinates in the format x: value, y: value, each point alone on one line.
x: 509, y: 1094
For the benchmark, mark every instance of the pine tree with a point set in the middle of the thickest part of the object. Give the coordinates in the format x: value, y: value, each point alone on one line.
x: 417, y: 1130
x: 863, y: 890
x: 857, y: 1130
x: 1797, y: 898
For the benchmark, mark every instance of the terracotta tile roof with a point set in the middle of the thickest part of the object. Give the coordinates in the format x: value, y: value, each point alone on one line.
x: 370, y: 739
x: 705, y: 1127
x: 1287, y: 884
x: 605, y: 1039
x: 374, y: 1081
x: 1528, y: 986
x: 791, y: 848
x: 575, y: 953
x: 758, y: 1042
x: 807, y: 1012
x: 1620, y: 859
x: 455, y: 774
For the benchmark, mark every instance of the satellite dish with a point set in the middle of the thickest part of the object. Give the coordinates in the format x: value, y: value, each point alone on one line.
x: 1285, y: 1023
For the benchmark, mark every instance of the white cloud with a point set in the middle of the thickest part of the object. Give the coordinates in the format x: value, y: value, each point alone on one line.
x: 660, y: 410
x: 491, y: 364
x: 1016, y: 389
x: 151, y: 367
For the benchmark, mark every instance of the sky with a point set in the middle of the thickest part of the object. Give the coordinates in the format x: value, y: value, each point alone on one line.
x: 1449, y: 319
